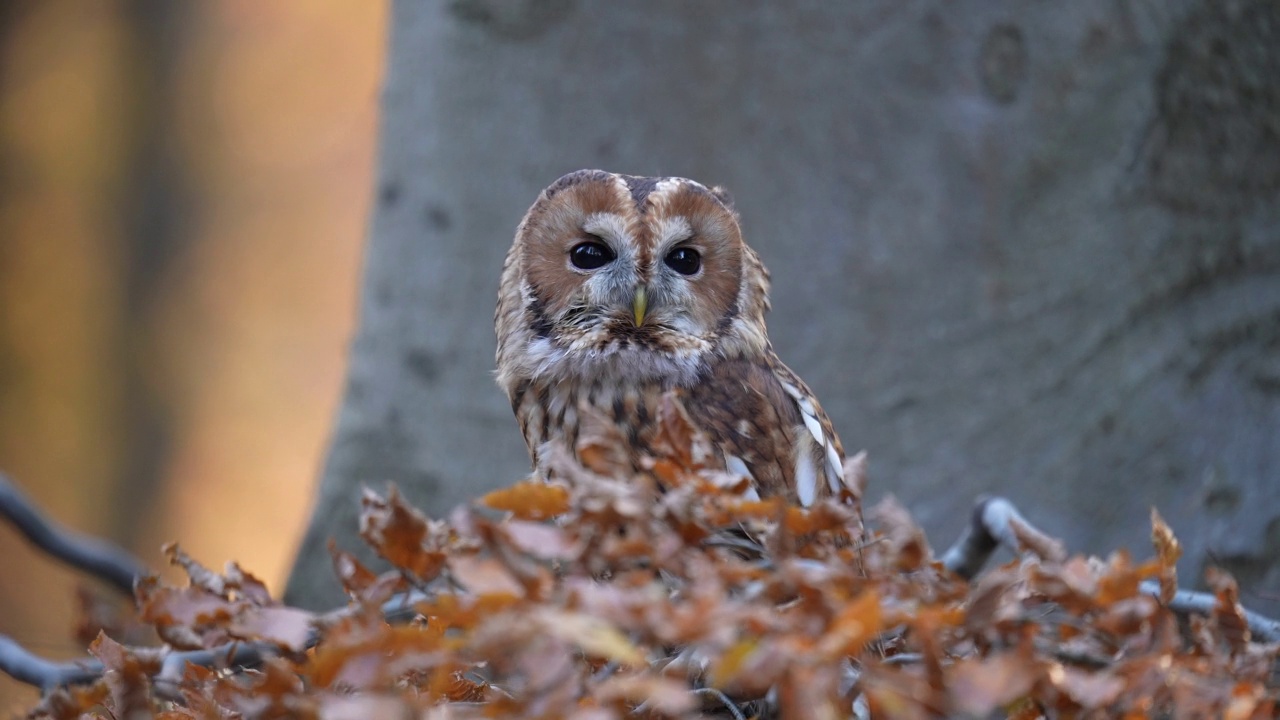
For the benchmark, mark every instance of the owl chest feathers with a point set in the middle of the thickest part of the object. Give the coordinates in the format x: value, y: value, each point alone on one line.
x: 758, y: 416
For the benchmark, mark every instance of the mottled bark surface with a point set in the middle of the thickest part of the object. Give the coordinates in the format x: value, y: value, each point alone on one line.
x: 1025, y: 249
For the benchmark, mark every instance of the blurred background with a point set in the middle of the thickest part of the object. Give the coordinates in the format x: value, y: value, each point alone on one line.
x: 183, y: 197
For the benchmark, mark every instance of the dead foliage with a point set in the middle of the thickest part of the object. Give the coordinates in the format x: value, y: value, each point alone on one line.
x: 671, y: 594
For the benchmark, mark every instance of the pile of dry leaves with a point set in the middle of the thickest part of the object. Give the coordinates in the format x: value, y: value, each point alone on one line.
x: 671, y: 594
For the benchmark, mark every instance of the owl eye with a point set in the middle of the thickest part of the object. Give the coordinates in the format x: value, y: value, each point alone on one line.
x: 590, y: 255
x: 685, y: 261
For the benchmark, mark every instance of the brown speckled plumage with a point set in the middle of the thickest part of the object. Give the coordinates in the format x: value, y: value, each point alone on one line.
x: 568, y: 336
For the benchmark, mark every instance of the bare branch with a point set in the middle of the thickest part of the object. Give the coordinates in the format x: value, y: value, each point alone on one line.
x: 1189, y: 602
x: 730, y: 706
x: 96, y: 557
x: 996, y: 523
x: 26, y: 667
x: 48, y: 675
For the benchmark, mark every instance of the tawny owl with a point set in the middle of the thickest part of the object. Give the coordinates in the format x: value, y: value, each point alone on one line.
x: 620, y: 288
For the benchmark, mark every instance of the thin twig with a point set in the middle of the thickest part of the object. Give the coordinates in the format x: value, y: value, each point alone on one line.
x: 96, y: 557
x: 724, y: 700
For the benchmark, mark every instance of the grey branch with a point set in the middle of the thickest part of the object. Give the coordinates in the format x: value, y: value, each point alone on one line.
x: 96, y: 557
x: 26, y: 667
x: 48, y: 675
x: 1189, y: 602
x: 996, y: 523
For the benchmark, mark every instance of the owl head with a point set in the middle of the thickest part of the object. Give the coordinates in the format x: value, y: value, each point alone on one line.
x: 628, y: 278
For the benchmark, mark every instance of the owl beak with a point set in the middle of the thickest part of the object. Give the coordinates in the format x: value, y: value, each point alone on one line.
x: 639, y: 304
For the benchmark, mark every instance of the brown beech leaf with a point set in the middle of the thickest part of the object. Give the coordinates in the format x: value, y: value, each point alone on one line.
x: 72, y: 701
x: 676, y: 438
x: 853, y: 626
x: 484, y: 576
x: 200, y: 576
x: 364, y: 707
x: 529, y: 500
x: 127, y: 677
x: 1168, y: 551
x: 594, y: 636
x: 286, y: 627
x: 601, y: 446
x: 182, y: 615
x: 1090, y: 690
x: 904, y: 539
x: 854, y: 475
x: 661, y: 695
x: 977, y: 686
x: 1073, y: 584
x: 1119, y: 579
x: 1228, y: 615
x: 399, y: 533
x: 249, y: 587
x: 540, y: 540
x: 352, y: 573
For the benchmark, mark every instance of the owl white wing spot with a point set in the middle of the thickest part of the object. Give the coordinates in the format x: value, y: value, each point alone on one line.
x: 815, y: 427
x: 833, y: 469
x: 810, y: 416
x: 734, y: 464
x: 806, y: 475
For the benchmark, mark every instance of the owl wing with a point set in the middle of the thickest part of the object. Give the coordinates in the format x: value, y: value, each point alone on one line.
x: 770, y: 428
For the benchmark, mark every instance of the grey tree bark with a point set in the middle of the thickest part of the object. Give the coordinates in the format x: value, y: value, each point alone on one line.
x: 1023, y: 248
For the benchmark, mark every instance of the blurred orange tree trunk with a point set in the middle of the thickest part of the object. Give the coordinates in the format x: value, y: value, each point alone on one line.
x: 183, y: 190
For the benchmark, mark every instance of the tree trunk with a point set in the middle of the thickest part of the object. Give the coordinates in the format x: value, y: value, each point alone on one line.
x: 1027, y: 249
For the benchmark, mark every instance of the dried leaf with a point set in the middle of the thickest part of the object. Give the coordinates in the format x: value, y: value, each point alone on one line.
x: 1168, y: 550
x: 594, y: 636
x: 977, y: 686
x: 286, y: 627
x: 904, y: 539
x: 201, y: 576
x: 601, y: 447
x: 249, y: 587
x: 1228, y: 615
x: 399, y: 534
x: 529, y: 500
x: 539, y: 540
x: 853, y: 627
x: 659, y: 695
x: 1089, y: 690
x: 353, y: 575
x: 484, y: 576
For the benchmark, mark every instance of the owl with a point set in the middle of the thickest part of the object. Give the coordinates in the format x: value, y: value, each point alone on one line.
x: 619, y: 289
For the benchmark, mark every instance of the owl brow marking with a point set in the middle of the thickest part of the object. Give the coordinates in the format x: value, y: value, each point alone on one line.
x: 672, y: 231
x: 606, y: 226
x: 640, y: 187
